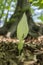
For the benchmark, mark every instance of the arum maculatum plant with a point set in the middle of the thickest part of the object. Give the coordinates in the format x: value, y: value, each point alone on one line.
x: 22, y: 31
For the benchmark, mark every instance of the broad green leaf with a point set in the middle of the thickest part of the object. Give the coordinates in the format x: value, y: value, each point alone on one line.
x: 22, y: 29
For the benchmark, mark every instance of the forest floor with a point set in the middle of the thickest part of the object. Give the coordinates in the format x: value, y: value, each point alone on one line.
x: 31, y: 54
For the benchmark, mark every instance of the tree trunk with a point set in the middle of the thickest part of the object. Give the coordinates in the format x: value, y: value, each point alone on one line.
x: 22, y: 6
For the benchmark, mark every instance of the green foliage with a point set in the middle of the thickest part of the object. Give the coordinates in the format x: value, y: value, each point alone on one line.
x: 41, y: 17
x: 38, y: 3
x: 20, y: 46
x: 22, y: 31
x: 30, y: 0
x: 5, y: 5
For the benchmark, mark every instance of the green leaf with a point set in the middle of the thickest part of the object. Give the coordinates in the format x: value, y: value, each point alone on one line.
x: 22, y: 29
